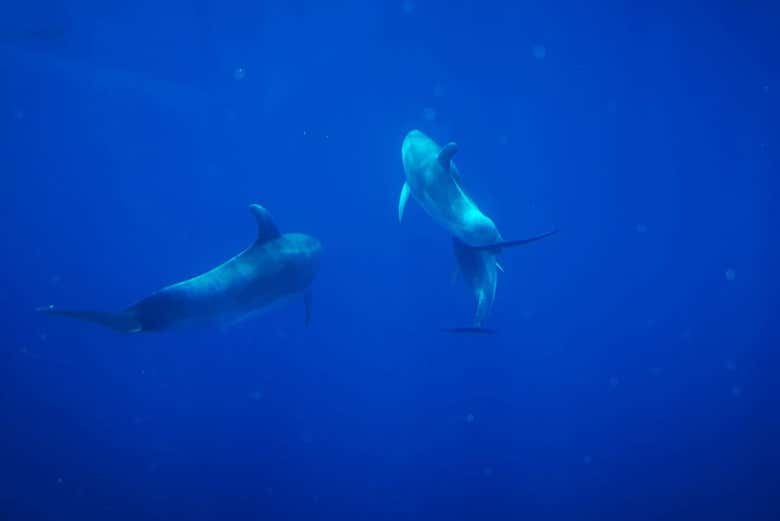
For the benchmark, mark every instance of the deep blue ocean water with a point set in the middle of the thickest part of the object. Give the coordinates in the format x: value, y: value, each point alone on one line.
x: 633, y: 375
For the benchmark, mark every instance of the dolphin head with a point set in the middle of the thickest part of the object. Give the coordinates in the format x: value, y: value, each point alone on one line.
x: 417, y: 152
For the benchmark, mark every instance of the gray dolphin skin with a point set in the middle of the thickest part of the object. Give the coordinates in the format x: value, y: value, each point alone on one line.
x: 433, y: 180
x: 274, y: 267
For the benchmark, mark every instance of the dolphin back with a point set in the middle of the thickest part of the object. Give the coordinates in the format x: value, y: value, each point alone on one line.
x: 123, y: 322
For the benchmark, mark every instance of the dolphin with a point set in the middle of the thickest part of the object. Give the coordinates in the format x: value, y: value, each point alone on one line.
x: 274, y: 267
x: 434, y: 181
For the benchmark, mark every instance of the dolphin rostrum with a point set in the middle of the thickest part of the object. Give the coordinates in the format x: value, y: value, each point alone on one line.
x: 434, y: 181
x: 275, y: 266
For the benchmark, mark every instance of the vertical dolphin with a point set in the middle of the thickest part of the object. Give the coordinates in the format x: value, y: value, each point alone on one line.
x: 433, y: 180
x: 275, y: 266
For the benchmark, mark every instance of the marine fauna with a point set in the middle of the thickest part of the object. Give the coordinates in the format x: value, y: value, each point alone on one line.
x: 274, y: 267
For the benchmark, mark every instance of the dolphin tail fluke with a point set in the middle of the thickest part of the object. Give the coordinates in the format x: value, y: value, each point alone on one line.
x: 123, y: 322
x: 498, y: 246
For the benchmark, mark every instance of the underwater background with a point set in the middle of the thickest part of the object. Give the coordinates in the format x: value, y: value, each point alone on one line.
x: 633, y: 374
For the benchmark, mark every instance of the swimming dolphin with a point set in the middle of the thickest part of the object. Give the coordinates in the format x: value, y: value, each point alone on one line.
x: 434, y: 181
x: 274, y: 267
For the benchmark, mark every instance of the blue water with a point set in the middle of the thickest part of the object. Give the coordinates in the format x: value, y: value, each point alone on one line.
x: 634, y: 372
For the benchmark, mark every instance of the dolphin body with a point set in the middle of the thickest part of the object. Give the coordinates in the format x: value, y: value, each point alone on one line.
x: 275, y: 266
x: 434, y: 181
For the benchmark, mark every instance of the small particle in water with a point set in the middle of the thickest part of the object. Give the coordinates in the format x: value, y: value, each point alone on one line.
x: 612, y: 106
x: 469, y: 418
x: 687, y: 335
x: 487, y: 472
x: 730, y: 365
x: 736, y: 391
x: 18, y: 113
x: 305, y: 132
x: 407, y: 6
x: 655, y: 371
x: 503, y: 139
x: 59, y: 481
x: 766, y: 89
x: 540, y: 52
x: 587, y: 460
x: 43, y: 336
x: 429, y: 114
x: 731, y: 274
x: 641, y: 228
x: 438, y: 90
x: 239, y: 74
x: 256, y: 395
x: 614, y: 382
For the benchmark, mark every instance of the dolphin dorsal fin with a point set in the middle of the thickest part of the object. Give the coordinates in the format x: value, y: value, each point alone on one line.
x: 445, y: 155
x: 266, y: 228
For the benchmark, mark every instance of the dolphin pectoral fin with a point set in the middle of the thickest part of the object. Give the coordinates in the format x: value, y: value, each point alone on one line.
x: 307, y: 306
x: 498, y: 246
x: 405, y: 191
x: 266, y: 228
x: 445, y: 155
x: 123, y: 322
